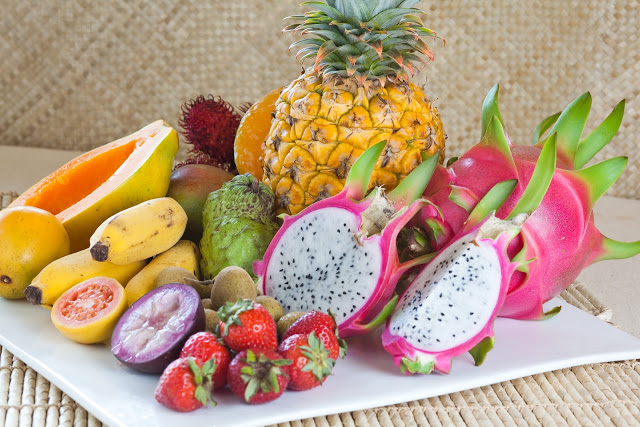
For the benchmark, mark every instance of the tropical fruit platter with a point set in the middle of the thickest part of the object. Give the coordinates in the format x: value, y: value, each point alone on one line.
x: 326, y: 210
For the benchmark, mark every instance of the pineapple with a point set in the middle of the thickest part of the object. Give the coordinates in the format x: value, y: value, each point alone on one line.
x: 357, y: 93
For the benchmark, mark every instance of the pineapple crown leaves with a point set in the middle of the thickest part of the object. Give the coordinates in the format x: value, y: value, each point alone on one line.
x: 320, y: 364
x: 202, y: 377
x: 368, y: 40
x: 229, y: 314
x: 261, y: 374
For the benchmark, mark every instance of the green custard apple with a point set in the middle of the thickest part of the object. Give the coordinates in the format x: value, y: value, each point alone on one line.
x: 238, y: 222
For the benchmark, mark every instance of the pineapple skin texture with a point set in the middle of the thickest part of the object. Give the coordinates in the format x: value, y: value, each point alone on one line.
x: 321, y: 127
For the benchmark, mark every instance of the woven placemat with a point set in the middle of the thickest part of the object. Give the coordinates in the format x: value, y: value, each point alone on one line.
x: 597, y: 394
x: 78, y: 74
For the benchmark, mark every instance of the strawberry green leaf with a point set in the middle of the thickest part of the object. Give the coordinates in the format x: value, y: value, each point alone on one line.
x: 208, y: 368
x: 273, y: 381
x: 252, y: 389
x: 201, y: 395
x: 195, y: 369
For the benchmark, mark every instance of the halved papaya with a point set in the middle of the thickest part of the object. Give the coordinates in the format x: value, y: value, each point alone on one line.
x: 116, y: 176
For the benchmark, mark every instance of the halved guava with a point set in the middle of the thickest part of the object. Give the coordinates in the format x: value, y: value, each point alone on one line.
x: 151, y: 333
x: 88, y: 312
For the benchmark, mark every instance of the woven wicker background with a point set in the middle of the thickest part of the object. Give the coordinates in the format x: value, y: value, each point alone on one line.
x: 78, y: 74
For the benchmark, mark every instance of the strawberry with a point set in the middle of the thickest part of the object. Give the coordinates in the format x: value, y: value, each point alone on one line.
x: 324, y: 325
x: 246, y: 324
x: 184, y: 386
x: 258, y: 375
x: 205, y: 346
x: 312, y: 363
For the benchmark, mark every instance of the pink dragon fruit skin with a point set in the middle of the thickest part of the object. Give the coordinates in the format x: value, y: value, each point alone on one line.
x: 467, y: 281
x: 560, y: 237
x: 321, y: 260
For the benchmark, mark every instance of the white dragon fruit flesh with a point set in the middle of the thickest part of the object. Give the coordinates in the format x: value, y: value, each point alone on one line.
x: 340, y: 253
x: 449, y: 307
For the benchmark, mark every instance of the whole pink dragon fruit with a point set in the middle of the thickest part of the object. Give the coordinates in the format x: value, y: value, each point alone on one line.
x: 450, y: 306
x: 340, y: 253
x: 560, y: 238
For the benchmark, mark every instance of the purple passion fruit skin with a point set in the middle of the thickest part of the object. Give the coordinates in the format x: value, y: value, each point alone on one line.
x: 151, y: 333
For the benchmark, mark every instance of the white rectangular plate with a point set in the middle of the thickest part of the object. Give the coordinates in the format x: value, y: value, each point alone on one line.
x: 366, y: 378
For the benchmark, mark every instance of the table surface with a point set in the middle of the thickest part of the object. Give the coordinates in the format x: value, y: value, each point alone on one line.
x: 616, y: 283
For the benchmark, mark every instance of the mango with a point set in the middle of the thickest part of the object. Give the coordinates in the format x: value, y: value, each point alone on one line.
x: 30, y: 239
x: 190, y: 185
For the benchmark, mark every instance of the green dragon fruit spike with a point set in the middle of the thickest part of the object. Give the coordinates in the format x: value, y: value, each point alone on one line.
x: 495, y: 137
x: 479, y: 352
x: 569, y: 127
x: 596, y: 140
x: 544, y: 126
x: 437, y: 231
x: 412, y: 186
x: 540, y: 179
x: 614, y: 249
x: 384, y: 314
x: 462, y: 197
x: 360, y: 173
x: 600, y: 177
x: 490, y: 109
x: 491, y: 202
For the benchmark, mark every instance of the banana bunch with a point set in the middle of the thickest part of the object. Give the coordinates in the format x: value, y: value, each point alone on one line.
x: 66, y: 272
x: 139, y: 232
x: 119, y: 249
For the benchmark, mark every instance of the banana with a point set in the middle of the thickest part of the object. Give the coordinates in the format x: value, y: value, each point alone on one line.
x: 184, y: 254
x: 139, y: 232
x: 62, y: 274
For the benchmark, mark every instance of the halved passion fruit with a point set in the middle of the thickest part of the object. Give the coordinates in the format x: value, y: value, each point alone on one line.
x: 151, y: 333
x: 88, y: 312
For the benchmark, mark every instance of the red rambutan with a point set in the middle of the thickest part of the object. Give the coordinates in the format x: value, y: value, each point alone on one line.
x: 210, y: 125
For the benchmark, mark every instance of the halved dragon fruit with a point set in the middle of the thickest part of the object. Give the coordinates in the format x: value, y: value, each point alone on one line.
x: 449, y: 307
x: 340, y: 253
x: 560, y: 237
